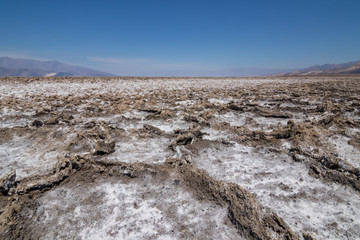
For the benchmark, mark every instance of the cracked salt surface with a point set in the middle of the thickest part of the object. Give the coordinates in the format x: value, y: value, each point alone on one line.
x: 234, y: 119
x: 284, y: 186
x: 219, y: 101
x: 11, y: 122
x: 254, y: 122
x: 168, y: 126
x: 306, y: 204
x: 14, y: 118
x: 136, y: 120
x: 131, y: 150
x: 120, y: 86
x: 145, y: 209
x: 21, y: 155
x: 216, y: 135
x: 345, y: 151
x: 29, y: 156
x: 186, y: 102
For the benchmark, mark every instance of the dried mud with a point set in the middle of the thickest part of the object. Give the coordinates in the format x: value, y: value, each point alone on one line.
x: 180, y: 158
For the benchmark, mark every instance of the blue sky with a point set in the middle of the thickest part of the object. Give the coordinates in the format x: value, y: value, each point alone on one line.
x: 178, y: 37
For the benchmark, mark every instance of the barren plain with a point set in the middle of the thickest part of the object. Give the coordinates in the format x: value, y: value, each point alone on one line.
x: 180, y: 158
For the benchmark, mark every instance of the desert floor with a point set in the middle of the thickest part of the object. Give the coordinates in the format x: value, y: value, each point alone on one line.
x: 180, y: 158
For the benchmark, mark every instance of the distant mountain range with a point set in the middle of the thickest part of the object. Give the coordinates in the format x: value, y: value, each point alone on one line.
x: 11, y: 67
x: 327, y: 69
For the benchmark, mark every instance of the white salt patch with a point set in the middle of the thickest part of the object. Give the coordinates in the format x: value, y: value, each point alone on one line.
x: 127, y: 125
x: 255, y: 122
x: 287, y: 104
x: 274, y: 178
x: 11, y: 156
x: 13, y: 113
x: 168, y: 126
x: 286, y: 145
x: 129, y: 122
x: 108, y: 119
x: 136, y: 114
x: 353, y: 115
x: 345, y: 151
x: 131, y: 150
x: 20, y: 154
x: 219, y: 101
x: 138, y: 210
x: 137, y: 121
x: 186, y: 102
x: 10, y: 122
x: 234, y: 119
x: 215, y: 135
x: 31, y: 156
x: 14, y: 118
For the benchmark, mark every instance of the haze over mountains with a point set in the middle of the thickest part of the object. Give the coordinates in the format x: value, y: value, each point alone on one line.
x: 328, y: 69
x: 11, y: 67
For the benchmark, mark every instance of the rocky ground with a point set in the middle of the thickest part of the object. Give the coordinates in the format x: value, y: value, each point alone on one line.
x: 180, y: 158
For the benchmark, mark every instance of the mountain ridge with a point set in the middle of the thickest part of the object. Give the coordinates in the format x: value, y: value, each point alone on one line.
x: 22, y: 67
x: 327, y: 69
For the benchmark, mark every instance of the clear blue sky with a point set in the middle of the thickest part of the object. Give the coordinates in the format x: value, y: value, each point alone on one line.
x: 156, y: 37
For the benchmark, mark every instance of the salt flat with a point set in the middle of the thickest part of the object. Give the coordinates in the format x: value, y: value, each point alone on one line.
x: 180, y: 158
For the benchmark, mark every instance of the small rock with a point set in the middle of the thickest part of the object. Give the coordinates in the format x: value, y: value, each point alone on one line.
x: 298, y: 157
x: 66, y: 117
x: 90, y: 124
x: 52, y: 121
x: 184, y: 139
x: 315, y: 170
x: 284, y: 187
x: 236, y: 107
x: 264, y: 112
x: 104, y: 147
x: 190, y: 118
x: 307, y: 236
x: 37, y: 123
x: 166, y: 114
x: 326, y: 120
x: 151, y: 129
x: 150, y: 110
x: 7, y: 183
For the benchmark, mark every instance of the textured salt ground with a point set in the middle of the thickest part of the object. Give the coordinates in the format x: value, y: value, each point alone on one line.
x: 284, y: 186
x: 10, y: 118
x: 10, y: 122
x: 137, y: 119
x: 122, y: 87
x: 169, y: 126
x: 146, y: 208
x: 132, y: 150
x: 216, y: 135
x: 274, y: 178
x: 254, y: 122
x: 30, y: 154
x: 344, y: 150
x: 220, y: 101
x: 166, y: 126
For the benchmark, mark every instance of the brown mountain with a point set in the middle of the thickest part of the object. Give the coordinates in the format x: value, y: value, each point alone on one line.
x: 11, y: 67
x: 328, y: 69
